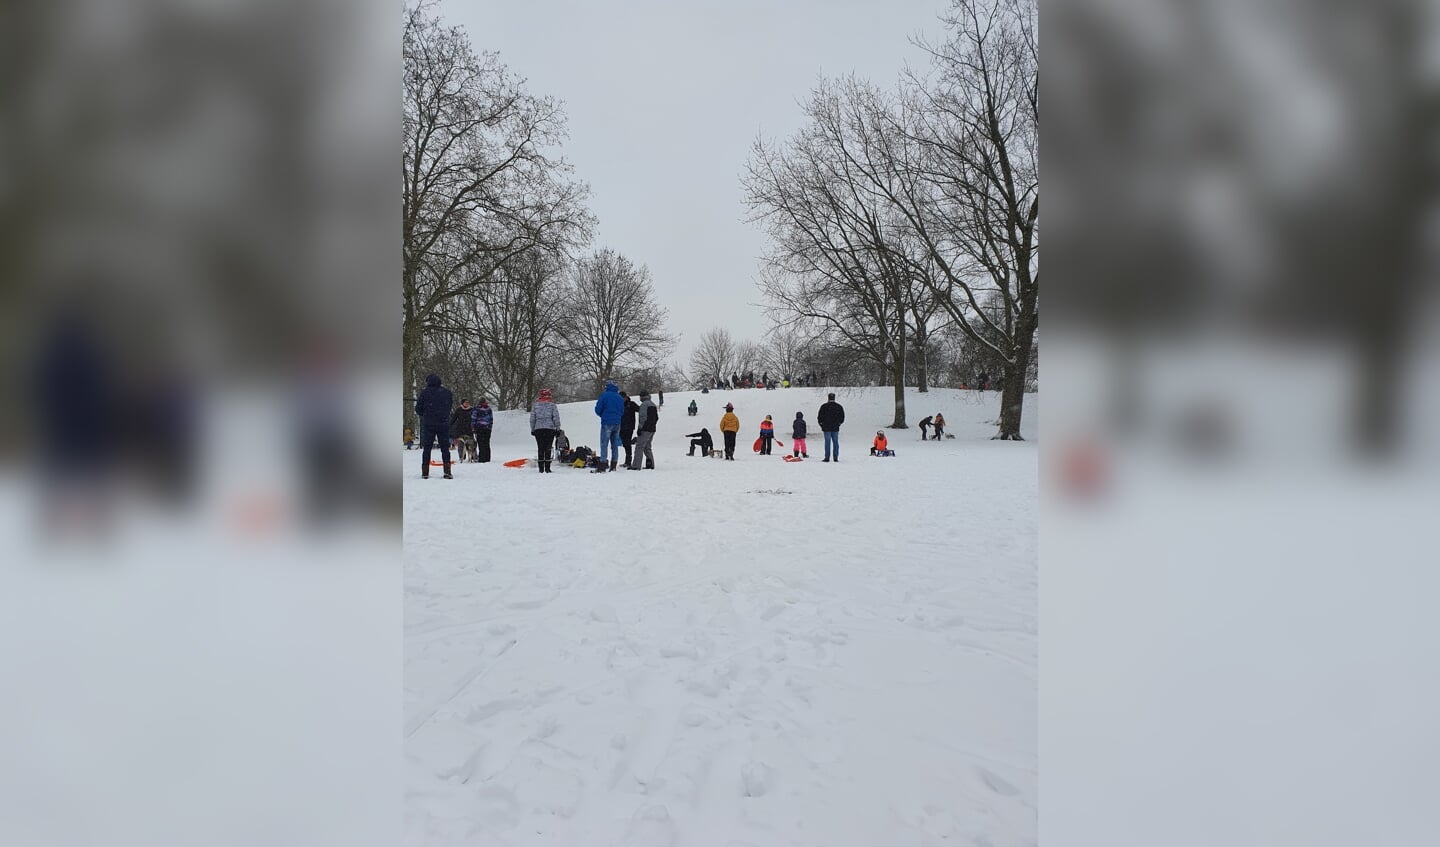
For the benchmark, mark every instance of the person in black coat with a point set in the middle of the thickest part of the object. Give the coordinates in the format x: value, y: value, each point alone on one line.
x: 702, y: 440
x: 627, y: 425
x: 463, y: 432
x: 797, y: 436
x: 831, y: 416
x: 433, y: 407
x: 925, y: 424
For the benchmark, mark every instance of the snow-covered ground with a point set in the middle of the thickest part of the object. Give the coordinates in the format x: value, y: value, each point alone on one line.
x: 728, y: 653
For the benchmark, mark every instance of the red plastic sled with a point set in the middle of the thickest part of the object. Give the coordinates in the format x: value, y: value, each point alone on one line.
x: 516, y: 463
x: 793, y: 459
x: 758, y: 441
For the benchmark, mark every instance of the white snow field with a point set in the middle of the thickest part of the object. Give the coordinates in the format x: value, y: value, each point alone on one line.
x: 724, y: 653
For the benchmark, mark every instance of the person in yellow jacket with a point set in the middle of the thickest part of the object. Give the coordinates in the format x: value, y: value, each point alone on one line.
x: 729, y: 426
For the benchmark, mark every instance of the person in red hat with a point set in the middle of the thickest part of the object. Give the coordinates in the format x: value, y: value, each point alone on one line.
x: 544, y: 423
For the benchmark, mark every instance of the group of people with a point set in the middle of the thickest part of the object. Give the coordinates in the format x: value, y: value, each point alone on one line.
x: 764, y: 380
x: 830, y: 418
x: 624, y: 425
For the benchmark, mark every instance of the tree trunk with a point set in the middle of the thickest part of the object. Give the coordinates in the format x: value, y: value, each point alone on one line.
x: 922, y: 339
x: 1012, y: 395
x: 410, y: 353
x: 898, y: 378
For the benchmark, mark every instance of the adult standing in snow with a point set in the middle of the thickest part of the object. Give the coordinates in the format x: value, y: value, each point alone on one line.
x: 797, y: 436
x: 461, y: 431
x: 649, y: 417
x: 767, y: 435
x: 482, y: 420
x: 544, y: 423
x: 433, y: 407
x: 627, y: 424
x: 831, y: 416
x: 611, y: 409
x: 925, y: 424
x: 729, y: 426
x: 984, y: 381
x: 702, y: 440
x: 662, y: 397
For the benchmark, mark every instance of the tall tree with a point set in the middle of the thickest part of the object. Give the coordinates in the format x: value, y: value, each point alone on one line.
x: 478, y: 183
x: 969, y: 185
x: 616, y: 322
x: 839, y: 255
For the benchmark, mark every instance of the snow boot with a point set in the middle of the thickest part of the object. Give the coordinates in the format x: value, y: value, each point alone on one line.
x: 447, y: 471
x: 612, y: 465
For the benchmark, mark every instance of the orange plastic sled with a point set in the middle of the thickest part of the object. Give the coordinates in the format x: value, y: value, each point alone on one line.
x: 516, y: 463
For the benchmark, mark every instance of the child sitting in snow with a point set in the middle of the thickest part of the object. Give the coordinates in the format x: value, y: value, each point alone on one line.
x: 881, y: 447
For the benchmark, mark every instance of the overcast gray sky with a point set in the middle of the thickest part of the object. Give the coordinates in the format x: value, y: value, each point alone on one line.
x: 665, y: 97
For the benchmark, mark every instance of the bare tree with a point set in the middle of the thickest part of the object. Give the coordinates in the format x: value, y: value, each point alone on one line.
x: 840, y: 255
x: 969, y: 186
x: 714, y: 357
x: 784, y: 350
x: 616, y: 321
x: 478, y: 186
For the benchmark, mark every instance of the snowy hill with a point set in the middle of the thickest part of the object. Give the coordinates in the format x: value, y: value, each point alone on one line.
x: 752, y: 652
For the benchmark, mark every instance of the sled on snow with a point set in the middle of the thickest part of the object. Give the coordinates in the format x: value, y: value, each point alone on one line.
x: 793, y: 459
x: 517, y: 463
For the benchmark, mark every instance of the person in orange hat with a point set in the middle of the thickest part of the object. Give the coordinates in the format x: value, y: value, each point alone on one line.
x: 729, y: 426
x: 880, y: 445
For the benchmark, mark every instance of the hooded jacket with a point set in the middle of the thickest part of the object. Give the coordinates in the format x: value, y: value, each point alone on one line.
x: 706, y: 442
x: 460, y: 422
x: 611, y: 406
x: 482, y: 416
x: 649, y: 415
x: 881, y: 443
x: 729, y: 423
x: 627, y: 418
x: 797, y: 429
x: 433, y: 405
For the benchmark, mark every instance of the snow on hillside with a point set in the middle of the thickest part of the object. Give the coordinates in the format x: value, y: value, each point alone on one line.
x: 728, y: 653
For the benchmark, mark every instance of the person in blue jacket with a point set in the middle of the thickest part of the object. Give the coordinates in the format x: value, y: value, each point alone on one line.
x: 433, y: 407
x: 611, y: 408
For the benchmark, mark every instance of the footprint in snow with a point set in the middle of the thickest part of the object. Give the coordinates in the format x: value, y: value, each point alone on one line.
x: 651, y: 827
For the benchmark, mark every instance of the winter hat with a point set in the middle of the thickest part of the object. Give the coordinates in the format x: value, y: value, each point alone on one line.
x: 832, y: 396
x: 644, y: 395
x: 482, y: 402
x: 729, y: 408
x: 432, y: 380
x: 799, y: 415
x: 544, y: 394
x: 611, y: 386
